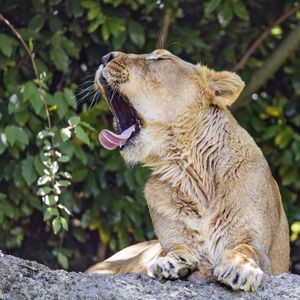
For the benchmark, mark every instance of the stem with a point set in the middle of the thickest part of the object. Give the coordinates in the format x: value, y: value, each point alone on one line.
x: 262, y: 37
x: 41, y: 92
x: 164, y: 29
x: 271, y: 65
x: 36, y: 73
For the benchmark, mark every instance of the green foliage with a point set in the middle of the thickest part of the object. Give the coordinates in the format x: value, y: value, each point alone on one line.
x: 59, y: 181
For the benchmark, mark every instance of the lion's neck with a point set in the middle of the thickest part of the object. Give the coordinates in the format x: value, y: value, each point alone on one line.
x: 190, y: 161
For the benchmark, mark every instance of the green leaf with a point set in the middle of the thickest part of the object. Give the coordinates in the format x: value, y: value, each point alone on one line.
x: 93, y: 13
x: 45, y: 133
x: 81, y: 154
x: 70, y: 47
x: 295, y: 147
x: 79, y: 175
x: 63, y: 260
x: 225, y: 13
x: 62, y: 105
x: 136, y: 33
x: 270, y: 132
x: 22, y: 117
x: 87, y: 126
x: 50, y: 200
x: 55, y: 24
x: 80, y: 133
x: 74, y: 120
x: 64, y: 159
x: 295, y: 227
x: 65, y: 174
x: 10, y: 134
x: 284, y: 137
x: 64, y: 208
x: 89, y: 4
x: 30, y: 45
x: 3, y: 142
x: 105, y: 32
x: 210, y: 6
x: 8, y: 209
x: 116, y: 25
x: 74, y: 8
x: 94, y: 25
x: 43, y: 180
x: 50, y: 212
x: 56, y: 225
x: 6, y: 44
x: 15, y: 104
x: 119, y: 39
x: 64, y: 223
x: 37, y: 22
x: 70, y: 98
x: 31, y: 93
x: 16, y: 134
x: 59, y: 58
x: 44, y: 191
x: 28, y: 172
x: 53, y: 167
x: 36, y: 102
x: 79, y: 234
x: 240, y: 10
x: 104, y: 235
x: 65, y: 134
x: 114, y: 163
x: 63, y: 183
x: 28, y: 90
x: 129, y: 179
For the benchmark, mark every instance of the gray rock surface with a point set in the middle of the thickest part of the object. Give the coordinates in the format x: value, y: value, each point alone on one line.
x: 22, y: 279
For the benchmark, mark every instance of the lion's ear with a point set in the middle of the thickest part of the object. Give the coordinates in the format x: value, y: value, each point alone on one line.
x: 225, y: 86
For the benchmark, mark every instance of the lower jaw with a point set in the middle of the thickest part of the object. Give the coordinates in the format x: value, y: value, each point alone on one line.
x: 129, y: 143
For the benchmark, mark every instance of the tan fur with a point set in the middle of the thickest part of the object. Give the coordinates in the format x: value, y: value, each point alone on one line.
x: 215, y: 206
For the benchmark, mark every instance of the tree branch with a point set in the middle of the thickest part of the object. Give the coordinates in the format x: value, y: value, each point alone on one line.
x: 262, y: 37
x: 36, y: 73
x: 164, y: 29
x: 271, y: 65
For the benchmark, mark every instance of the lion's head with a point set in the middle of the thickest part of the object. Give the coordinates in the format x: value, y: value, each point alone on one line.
x: 149, y: 93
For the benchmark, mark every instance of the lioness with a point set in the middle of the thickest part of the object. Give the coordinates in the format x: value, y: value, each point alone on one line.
x: 215, y: 206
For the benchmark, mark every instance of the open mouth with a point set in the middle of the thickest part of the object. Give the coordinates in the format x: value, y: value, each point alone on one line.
x: 127, y: 121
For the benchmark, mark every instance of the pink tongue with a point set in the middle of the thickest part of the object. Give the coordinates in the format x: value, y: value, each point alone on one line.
x: 111, y: 141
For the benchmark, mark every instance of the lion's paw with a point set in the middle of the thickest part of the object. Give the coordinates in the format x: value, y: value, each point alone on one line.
x: 169, y: 267
x: 238, y: 272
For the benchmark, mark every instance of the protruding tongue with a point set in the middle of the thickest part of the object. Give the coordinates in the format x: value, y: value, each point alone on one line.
x: 111, y: 140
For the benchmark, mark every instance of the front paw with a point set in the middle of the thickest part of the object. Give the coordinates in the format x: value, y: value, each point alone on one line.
x: 169, y: 267
x: 238, y: 271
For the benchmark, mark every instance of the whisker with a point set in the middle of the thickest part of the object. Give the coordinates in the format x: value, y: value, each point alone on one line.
x: 88, y: 77
x: 94, y: 100
x: 84, y: 91
x: 89, y: 92
x: 173, y: 43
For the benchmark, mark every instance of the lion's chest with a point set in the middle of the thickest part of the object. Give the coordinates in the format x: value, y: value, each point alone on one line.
x: 178, y: 219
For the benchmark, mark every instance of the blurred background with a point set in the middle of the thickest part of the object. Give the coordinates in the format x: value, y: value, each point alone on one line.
x: 67, y: 202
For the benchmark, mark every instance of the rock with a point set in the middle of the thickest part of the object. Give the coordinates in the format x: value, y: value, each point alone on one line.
x: 22, y: 279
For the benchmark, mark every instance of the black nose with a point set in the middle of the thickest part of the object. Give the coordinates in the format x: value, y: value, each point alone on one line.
x: 107, y: 58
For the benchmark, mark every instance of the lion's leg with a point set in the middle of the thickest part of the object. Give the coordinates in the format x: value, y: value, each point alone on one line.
x: 135, y: 258
x: 178, y: 262
x: 238, y: 268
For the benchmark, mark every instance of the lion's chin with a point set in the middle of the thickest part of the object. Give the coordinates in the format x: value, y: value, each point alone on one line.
x: 133, y: 152
x: 145, y: 148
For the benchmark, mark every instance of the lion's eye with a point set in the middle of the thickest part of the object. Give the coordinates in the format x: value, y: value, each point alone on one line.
x: 157, y: 58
